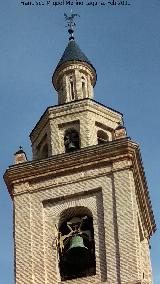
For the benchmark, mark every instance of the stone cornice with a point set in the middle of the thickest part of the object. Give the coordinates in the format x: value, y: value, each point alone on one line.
x: 90, y: 157
x: 63, y: 162
x: 142, y: 194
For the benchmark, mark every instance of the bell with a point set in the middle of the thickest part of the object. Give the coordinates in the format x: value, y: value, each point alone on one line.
x: 77, y: 253
x: 71, y: 147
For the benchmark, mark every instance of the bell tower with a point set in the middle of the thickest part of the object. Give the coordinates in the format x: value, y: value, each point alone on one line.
x: 82, y: 212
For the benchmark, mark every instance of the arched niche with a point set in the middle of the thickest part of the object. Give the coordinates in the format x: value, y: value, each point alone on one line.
x: 72, y: 87
x: 76, y: 247
x: 84, y: 86
x: 71, y: 140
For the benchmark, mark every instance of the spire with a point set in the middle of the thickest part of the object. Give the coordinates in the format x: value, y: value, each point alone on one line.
x: 73, y: 53
x: 74, y: 76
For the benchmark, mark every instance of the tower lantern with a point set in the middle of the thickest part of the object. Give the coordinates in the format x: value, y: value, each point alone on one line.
x: 74, y: 76
x: 82, y: 212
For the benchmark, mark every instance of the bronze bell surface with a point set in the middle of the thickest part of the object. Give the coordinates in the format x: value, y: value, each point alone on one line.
x: 77, y: 253
x: 71, y: 147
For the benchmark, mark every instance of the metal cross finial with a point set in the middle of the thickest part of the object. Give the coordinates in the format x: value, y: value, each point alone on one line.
x: 71, y: 23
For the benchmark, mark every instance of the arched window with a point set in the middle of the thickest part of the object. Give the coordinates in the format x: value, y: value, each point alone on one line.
x: 71, y: 86
x: 71, y: 140
x: 102, y: 137
x: 83, y: 87
x: 76, y: 244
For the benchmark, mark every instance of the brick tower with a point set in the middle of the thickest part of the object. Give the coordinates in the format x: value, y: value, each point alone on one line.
x: 82, y: 212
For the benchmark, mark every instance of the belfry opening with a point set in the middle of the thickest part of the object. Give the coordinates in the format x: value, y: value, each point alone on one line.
x: 76, y: 246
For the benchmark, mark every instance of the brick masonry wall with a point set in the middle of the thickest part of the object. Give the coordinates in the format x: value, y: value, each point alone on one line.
x: 109, y: 193
x: 88, y: 113
x: 126, y: 244
x: 74, y: 72
x: 145, y: 260
x: 23, y: 240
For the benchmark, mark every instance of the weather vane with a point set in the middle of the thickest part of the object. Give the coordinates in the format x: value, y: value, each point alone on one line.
x: 71, y: 23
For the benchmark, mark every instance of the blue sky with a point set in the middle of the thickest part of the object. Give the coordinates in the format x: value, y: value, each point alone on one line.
x: 122, y: 42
